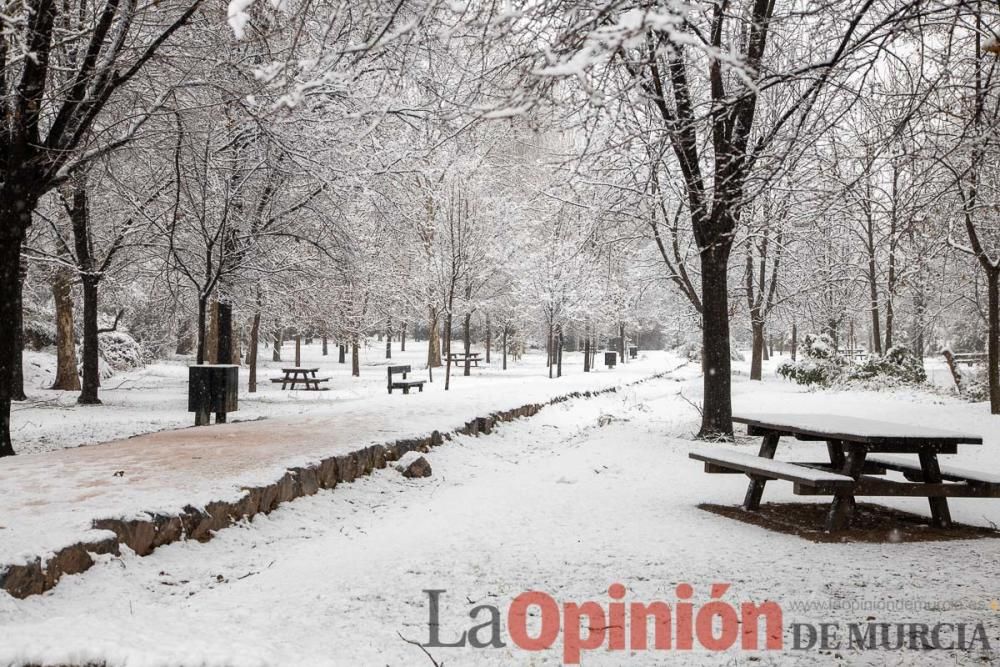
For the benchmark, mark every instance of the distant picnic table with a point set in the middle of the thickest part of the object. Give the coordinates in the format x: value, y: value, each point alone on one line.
x: 298, y: 375
x: 458, y: 358
x: 851, y: 471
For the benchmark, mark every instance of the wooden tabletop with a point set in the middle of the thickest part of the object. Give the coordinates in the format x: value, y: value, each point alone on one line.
x: 299, y: 370
x: 847, y: 428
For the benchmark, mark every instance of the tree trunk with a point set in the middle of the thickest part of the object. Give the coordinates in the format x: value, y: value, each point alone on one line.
x: 185, y: 344
x: 278, y: 342
x: 212, y: 335
x: 341, y: 353
x: 355, y: 358
x: 586, y: 349
x: 504, y: 344
x: 559, y: 354
x: 873, y: 295
x: 67, y: 377
x: 252, y: 352
x: 767, y: 351
x: 11, y: 237
x: 488, y: 332
x: 17, y: 387
x: 550, y: 348
x: 433, y: 339
x: 326, y: 350
x: 717, y: 409
x: 298, y: 350
x: 91, y: 354
x: 795, y: 341
x: 621, y: 342
x: 402, y: 337
x: 388, y: 340
x: 993, y: 345
x: 757, y: 349
x: 447, y: 352
x: 467, y: 343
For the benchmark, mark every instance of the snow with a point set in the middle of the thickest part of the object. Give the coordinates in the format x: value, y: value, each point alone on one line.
x: 56, y: 495
x: 567, y: 502
x: 849, y: 424
x: 406, y: 459
x: 785, y: 468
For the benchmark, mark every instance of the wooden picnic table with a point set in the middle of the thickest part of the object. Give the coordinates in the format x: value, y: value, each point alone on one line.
x: 299, y: 375
x: 457, y: 358
x: 851, y: 471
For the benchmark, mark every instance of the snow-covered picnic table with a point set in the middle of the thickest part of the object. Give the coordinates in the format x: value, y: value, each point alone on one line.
x: 851, y: 471
x: 299, y: 375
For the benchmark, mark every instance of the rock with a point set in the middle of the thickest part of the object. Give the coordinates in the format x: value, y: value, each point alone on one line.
x: 412, y: 464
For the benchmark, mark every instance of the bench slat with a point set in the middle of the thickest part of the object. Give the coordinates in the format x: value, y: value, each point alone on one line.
x: 948, y: 472
x: 769, y: 468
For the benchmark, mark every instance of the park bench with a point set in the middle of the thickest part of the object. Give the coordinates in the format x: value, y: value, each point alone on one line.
x: 969, y: 358
x: 853, y: 354
x: 851, y: 471
x: 296, y: 375
x: 403, y: 384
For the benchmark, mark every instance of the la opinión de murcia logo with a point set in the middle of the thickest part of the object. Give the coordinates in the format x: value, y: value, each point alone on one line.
x: 715, y: 625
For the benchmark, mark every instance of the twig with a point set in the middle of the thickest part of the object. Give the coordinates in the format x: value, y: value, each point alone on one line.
x: 421, y: 647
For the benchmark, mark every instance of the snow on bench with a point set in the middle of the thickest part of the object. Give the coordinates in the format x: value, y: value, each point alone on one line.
x: 768, y: 468
x: 949, y: 473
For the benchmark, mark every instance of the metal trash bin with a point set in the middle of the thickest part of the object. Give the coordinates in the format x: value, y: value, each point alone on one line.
x: 213, y: 388
x: 610, y: 359
x: 633, y: 352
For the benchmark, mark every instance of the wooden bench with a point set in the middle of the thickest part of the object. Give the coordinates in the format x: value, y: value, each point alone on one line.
x: 969, y: 358
x: 403, y: 384
x: 949, y: 473
x: 723, y: 460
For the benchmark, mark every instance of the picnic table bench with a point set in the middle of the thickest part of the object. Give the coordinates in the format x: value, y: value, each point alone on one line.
x: 403, y: 384
x: 297, y: 375
x: 458, y: 358
x: 851, y: 472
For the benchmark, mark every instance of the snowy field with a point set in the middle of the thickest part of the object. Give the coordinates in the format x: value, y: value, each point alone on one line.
x: 586, y: 494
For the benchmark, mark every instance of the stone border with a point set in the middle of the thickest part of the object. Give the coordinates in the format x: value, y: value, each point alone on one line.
x: 144, y: 535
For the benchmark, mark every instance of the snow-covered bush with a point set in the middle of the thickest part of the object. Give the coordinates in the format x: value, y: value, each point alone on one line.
x: 120, y: 351
x: 39, y: 326
x: 975, y: 384
x: 117, y: 351
x: 897, y: 366
x: 818, y: 365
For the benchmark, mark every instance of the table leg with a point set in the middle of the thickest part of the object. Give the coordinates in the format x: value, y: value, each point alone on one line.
x: 842, y: 508
x: 940, y: 514
x: 768, y: 446
x: 836, y: 450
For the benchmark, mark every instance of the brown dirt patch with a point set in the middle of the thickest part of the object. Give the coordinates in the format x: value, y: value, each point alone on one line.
x: 871, y: 524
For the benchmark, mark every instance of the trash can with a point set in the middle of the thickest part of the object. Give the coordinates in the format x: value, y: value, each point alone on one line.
x: 213, y: 388
x: 633, y: 352
x: 610, y: 359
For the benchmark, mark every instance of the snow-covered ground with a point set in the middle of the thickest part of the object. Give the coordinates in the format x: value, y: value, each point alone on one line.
x: 588, y: 493
x: 154, y: 398
x: 55, y: 496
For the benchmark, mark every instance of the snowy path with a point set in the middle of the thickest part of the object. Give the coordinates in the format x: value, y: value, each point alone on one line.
x: 53, y: 497
x: 587, y: 493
